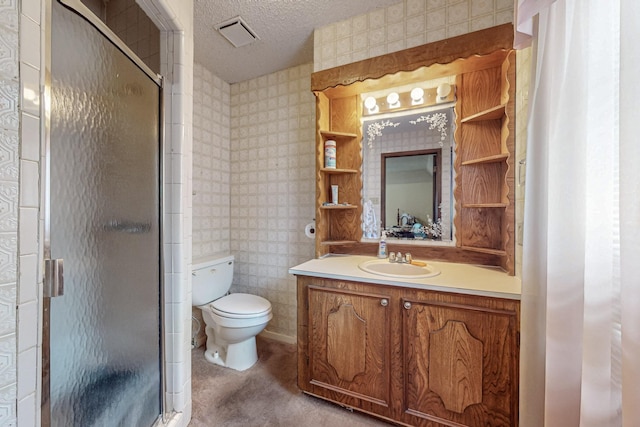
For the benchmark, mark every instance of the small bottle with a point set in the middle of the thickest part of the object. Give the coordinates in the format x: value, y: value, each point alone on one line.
x: 330, y: 154
x: 382, y: 245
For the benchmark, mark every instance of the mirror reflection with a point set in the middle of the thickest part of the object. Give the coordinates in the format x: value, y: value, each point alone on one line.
x: 410, y: 196
x: 407, y: 175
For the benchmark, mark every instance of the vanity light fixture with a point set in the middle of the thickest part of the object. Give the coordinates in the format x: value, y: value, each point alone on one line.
x: 417, y: 96
x: 406, y: 98
x: 444, y: 89
x: 393, y: 99
x: 371, y: 105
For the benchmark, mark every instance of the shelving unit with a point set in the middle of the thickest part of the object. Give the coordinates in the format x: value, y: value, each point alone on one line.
x: 485, y: 192
x: 338, y: 225
x: 483, y: 64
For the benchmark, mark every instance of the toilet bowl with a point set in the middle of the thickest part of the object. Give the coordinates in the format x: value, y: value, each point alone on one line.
x: 232, y: 321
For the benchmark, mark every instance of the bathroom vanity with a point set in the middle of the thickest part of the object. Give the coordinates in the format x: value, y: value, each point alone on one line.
x: 427, y: 351
x: 441, y: 350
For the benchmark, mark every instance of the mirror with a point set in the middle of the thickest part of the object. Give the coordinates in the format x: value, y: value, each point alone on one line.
x: 410, y: 196
x: 408, y: 175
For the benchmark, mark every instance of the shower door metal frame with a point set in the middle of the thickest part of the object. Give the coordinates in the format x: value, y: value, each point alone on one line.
x: 79, y: 8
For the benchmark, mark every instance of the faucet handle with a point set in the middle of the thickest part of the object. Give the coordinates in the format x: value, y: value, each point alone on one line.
x: 392, y: 257
x: 408, y: 257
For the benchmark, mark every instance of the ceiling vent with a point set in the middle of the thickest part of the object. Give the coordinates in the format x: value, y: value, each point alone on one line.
x: 237, y: 32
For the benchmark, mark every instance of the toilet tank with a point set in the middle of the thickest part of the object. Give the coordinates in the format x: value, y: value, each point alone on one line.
x: 211, y: 279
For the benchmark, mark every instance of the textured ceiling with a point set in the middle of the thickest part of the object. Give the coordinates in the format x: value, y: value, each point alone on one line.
x: 285, y: 29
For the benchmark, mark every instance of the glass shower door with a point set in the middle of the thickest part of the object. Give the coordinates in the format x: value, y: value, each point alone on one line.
x: 105, y: 351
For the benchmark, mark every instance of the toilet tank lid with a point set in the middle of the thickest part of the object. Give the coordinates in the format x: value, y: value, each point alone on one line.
x: 203, y: 263
x: 242, y: 304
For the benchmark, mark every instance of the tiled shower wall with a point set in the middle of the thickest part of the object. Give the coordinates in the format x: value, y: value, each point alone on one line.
x: 135, y: 28
x: 404, y: 25
x: 132, y: 25
x: 211, y: 164
x: 272, y: 186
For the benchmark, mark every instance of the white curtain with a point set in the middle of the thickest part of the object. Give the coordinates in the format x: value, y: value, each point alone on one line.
x: 580, y: 354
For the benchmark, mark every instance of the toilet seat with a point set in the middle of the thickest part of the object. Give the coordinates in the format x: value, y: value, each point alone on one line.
x: 241, y: 306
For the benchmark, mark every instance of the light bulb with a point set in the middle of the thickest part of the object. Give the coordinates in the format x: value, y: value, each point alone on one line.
x: 393, y: 99
x: 371, y: 104
x: 417, y: 96
x: 444, y: 89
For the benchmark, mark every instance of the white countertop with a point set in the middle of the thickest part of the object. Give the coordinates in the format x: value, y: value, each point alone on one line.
x: 454, y: 277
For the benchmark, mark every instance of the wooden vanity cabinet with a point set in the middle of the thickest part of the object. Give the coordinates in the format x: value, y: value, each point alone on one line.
x: 411, y: 356
x: 460, y: 358
x: 344, y: 353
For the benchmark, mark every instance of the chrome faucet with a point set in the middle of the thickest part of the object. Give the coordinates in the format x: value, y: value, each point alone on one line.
x: 398, y: 258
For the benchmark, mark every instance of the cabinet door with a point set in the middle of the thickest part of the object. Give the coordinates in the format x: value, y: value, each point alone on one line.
x: 461, y: 364
x: 349, y: 346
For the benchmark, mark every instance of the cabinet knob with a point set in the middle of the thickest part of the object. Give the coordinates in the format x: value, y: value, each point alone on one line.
x: 384, y: 302
x: 407, y: 305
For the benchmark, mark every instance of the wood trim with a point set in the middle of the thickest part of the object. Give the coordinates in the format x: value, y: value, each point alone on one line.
x: 481, y: 42
x: 332, y: 171
x: 434, y: 253
x: 338, y: 242
x: 337, y: 135
x: 489, y: 159
x: 492, y: 113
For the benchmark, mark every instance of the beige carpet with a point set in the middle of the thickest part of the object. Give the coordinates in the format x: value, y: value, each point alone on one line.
x: 264, y: 395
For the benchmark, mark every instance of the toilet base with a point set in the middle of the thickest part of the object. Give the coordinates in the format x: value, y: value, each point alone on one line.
x: 239, y: 356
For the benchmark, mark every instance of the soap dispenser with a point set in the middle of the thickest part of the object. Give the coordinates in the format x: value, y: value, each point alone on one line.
x: 382, y: 245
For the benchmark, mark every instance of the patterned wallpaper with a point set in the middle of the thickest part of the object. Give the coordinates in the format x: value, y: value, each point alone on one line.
x: 211, y: 164
x: 406, y: 24
x: 272, y: 186
x: 9, y: 184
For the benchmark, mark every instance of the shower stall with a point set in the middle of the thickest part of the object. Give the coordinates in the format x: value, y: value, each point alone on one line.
x: 102, y: 337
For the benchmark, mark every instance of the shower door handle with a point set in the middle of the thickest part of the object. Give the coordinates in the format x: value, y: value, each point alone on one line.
x: 53, y: 277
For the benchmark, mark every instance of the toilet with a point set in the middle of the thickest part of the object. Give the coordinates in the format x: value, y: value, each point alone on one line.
x: 232, y: 320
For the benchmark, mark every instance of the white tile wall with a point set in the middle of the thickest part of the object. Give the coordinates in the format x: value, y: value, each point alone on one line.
x: 404, y: 25
x: 211, y: 164
x: 272, y: 186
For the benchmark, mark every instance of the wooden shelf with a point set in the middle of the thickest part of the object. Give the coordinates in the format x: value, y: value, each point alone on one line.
x: 490, y: 114
x: 338, y: 242
x: 332, y: 171
x: 336, y: 207
x: 485, y: 250
x: 489, y: 159
x: 337, y: 135
x: 485, y: 205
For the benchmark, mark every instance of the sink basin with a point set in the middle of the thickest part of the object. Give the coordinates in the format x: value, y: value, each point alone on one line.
x: 383, y: 267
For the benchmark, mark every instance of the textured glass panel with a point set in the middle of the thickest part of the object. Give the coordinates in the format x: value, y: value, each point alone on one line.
x: 105, y: 329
